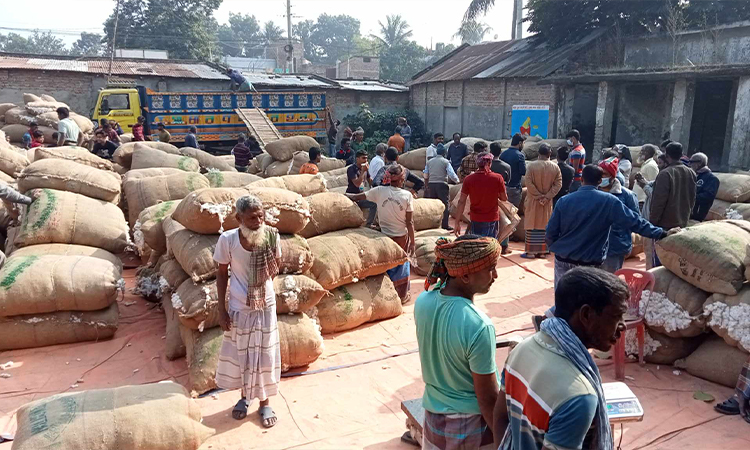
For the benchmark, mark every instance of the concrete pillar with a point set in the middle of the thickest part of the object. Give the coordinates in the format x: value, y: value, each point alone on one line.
x: 566, y: 96
x: 739, y: 155
x: 682, y: 111
x: 605, y: 107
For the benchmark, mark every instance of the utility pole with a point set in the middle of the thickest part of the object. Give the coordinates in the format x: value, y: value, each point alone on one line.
x: 114, y: 39
x: 289, y: 48
x: 517, y: 29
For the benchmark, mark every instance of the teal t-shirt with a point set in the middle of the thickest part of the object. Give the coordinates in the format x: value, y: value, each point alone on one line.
x: 455, y: 339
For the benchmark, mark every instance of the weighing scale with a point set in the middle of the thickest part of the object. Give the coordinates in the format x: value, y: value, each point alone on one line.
x: 622, y: 407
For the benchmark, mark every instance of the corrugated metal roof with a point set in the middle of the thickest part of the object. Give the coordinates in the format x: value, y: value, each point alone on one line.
x: 120, y: 67
x: 285, y: 80
x: 371, y: 86
x: 506, y: 59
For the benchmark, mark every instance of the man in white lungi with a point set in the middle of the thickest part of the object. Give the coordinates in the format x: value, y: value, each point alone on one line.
x: 250, y: 357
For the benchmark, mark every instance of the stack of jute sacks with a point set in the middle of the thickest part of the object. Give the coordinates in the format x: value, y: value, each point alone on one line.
x: 698, y: 314
x: 287, y: 155
x: 15, y: 119
x: 62, y: 278
x: 732, y: 198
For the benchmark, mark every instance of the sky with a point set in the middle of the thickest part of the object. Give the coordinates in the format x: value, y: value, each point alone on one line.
x: 432, y: 21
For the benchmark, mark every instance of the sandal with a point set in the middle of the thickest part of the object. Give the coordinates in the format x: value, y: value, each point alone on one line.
x: 266, y: 414
x: 527, y: 256
x: 730, y: 407
x: 240, y: 409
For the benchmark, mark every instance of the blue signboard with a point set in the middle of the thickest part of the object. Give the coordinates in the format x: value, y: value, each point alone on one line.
x: 531, y: 120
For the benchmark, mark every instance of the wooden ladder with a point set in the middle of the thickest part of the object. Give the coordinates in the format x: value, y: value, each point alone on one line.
x: 259, y: 125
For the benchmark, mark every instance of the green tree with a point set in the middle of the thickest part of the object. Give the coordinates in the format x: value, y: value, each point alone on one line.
x: 38, y: 44
x: 240, y: 36
x: 333, y: 38
x: 438, y: 53
x: 394, y: 32
x: 379, y: 127
x: 131, y: 25
x: 472, y: 32
x: 271, y: 32
x: 401, y: 62
x: 89, y: 44
x: 303, y: 31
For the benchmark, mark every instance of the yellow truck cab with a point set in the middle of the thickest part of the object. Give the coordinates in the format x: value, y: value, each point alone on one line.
x: 122, y: 105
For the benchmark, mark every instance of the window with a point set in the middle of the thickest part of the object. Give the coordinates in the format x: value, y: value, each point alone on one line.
x: 115, y: 102
x: 366, y: 59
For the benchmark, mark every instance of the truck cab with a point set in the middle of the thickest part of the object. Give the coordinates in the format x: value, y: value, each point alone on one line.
x: 122, y: 105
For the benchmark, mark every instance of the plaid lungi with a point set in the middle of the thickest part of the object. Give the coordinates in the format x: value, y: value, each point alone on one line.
x: 250, y: 356
x: 743, y: 382
x: 455, y: 432
x: 535, y: 242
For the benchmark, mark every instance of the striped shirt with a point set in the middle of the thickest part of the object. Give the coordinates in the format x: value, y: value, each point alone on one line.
x: 578, y: 153
x: 550, y: 402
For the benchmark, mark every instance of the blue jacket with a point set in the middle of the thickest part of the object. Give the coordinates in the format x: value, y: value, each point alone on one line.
x: 620, y: 237
x: 581, y: 221
x: 517, y: 162
x: 707, y: 185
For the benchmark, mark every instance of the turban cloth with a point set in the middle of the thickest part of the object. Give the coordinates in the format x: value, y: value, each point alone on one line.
x: 462, y: 257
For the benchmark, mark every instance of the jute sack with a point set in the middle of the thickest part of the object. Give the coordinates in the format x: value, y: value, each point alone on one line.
x: 331, y: 212
x: 84, y: 123
x: 531, y: 149
x: 638, y: 246
x: 336, y: 181
x: 345, y: 255
x: 288, y: 211
x: 709, y: 255
x: 209, y: 211
x: 157, y: 416
x: 425, y: 249
x: 149, y: 173
x: 5, y: 107
x: 47, y: 98
x: 715, y: 361
x: 350, y: 306
x: 15, y: 131
x: 730, y: 317
x: 70, y: 176
x: 75, y: 154
x: 124, y: 153
x: 172, y: 275
x: 300, y: 341
x: 12, y: 162
x: 230, y: 179
x: 674, y: 307
x: 42, y: 106
x: 48, y: 283
x: 428, y: 213
x: 206, y: 160
x: 197, y: 305
x: 718, y: 210
x: 733, y: 187
x: 173, y: 345
x: 671, y: 349
x: 141, y: 193
x: 262, y: 161
x: 296, y: 293
x: 305, y: 184
x: 454, y: 191
x: 28, y: 98
x: 740, y: 211
x: 144, y: 157
x: 296, y: 256
x: 68, y: 250
x: 48, y: 119
x: 325, y: 165
x: 202, y: 351
x: 414, y: 159
x: 5, y: 178
x: 148, y: 229
x: 279, y: 168
x: 62, y: 327
x: 194, y: 252
x: 285, y: 148
x: 58, y: 217
x: 18, y: 115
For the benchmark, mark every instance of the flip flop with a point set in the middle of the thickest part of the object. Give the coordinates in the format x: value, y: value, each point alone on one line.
x: 730, y: 407
x: 240, y: 409
x: 527, y: 256
x: 266, y: 413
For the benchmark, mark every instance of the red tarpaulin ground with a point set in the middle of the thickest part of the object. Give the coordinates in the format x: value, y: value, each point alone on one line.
x: 358, y: 407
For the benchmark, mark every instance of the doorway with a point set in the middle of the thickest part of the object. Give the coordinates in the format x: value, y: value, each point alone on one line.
x: 710, y: 117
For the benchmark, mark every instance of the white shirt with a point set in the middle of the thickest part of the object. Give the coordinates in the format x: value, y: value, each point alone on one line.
x: 376, y: 164
x: 431, y: 153
x: 649, y: 170
x: 68, y: 129
x: 393, y: 204
x: 230, y: 251
x: 625, y: 168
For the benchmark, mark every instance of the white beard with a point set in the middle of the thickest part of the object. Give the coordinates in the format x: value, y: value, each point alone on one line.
x: 254, y: 238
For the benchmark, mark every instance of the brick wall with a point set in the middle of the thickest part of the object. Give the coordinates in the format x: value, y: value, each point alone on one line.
x: 344, y: 102
x: 453, y: 93
x: 435, y: 94
x: 484, y: 93
x: 75, y: 89
x: 356, y: 68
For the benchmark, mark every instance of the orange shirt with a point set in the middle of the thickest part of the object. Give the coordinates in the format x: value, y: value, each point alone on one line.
x: 309, y: 167
x: 397, y: 141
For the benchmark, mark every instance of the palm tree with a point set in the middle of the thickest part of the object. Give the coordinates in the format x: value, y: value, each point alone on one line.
x: 395, y: 31
x: 271, y: 32
x: 472, y: 32
x: 477, y: 7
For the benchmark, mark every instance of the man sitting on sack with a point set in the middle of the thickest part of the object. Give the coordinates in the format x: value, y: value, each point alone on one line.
x: 250, y: 357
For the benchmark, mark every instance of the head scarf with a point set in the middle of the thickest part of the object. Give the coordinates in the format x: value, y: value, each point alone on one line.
x: 388, y: 177
x: 458, y: 258
x: 610, y: 166
x: 484, y: 162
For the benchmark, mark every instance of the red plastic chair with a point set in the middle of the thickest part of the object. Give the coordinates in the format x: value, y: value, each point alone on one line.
x: 637, y: 281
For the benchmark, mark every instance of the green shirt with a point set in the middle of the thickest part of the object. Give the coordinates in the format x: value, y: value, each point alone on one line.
x: 455, y: 339
x: 356, y: 146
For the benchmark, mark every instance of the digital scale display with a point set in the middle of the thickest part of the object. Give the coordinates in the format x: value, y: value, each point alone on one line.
x: 622, y: 404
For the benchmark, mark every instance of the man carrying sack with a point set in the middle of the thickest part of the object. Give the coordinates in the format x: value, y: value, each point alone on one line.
x: 457, y: 345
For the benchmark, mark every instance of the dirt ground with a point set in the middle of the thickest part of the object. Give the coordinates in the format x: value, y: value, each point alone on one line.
x: 354, y: 401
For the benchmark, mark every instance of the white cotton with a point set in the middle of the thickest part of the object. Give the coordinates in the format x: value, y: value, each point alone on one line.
x: 290, y: 292
x: 34, y: 320
x: 138, y: 237
x: 222, y: 210
x: 121, y: 285
x: 163, y: 286
x: 355, y: 280
x: 659, y: 311
x: 733, y: 214
x: 272, y: 215
x: 147, y: 285
x: 213, y: 170
x: 734, y: 319
x: 631, y: 343
x: 176, y: 302
x: 75, y: 318
x: 312, y: 313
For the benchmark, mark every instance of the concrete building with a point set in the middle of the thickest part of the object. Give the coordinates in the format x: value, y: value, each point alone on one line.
x: 693, y: 88
x: 485, y: 90
x: 358, y: 68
